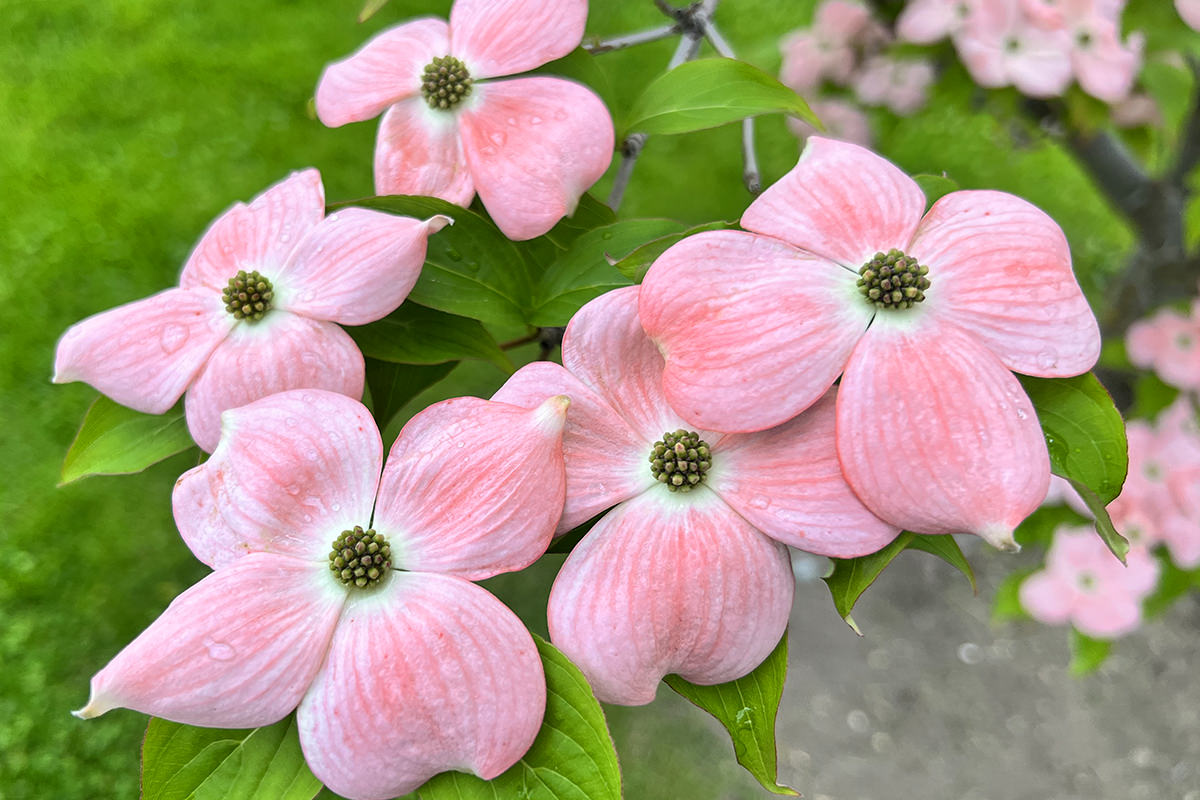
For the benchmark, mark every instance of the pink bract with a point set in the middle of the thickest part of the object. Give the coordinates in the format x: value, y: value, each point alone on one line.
x: 1000, y: 46
x: 530, y: 147
x: 694, y: 583
x: 1084, y: 584
x: 843, y: 120
x: 934, y: 433
x: 1190, y: 11
x: 393, y: 682
x: 351, y: 267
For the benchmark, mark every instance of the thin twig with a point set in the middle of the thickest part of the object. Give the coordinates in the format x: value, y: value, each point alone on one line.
x: 598, y: 46
x: 750, y: 173
x: 533, y: 337
x: 631, y: 148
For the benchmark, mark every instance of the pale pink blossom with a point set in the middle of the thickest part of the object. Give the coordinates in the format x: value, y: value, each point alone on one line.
x: 397, y: 670
x: 928, y: 21
x: 1168, y: 343
x: 934, y: 433
x: 697, y: 581
x: 530, y: 147
x: 1000, y: 47
x: 900, y: 84
x: 351, y: 267
x: 842, y: 119
x: 1084, y: 584
x: 827, y: 50
x: 1190, y: 11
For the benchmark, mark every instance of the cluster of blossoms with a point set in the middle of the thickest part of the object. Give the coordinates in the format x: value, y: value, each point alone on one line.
x: 697, y: 413
x: 1169, y: 344
x: 1038, y: 46
x: 844, y: 49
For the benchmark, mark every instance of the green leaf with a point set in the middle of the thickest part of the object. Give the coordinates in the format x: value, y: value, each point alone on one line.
x: 851, y: 576
x: 471, y: 268
x: 711, y: 92
x: 634, y: 265
x: 393, y: 385
x: 588, y: 215
x: 585, y: 271
x: 115, y: 440
x: 1007, y: 605
x: 1087, y: 654
x: 946, y: 548
x: 747, y: 708
x: 414, y: 334
x: 1086, y: 439
x: 572, y: 757
x: 180, y: 762
x: 1173, y: 583
x: 935, y: 187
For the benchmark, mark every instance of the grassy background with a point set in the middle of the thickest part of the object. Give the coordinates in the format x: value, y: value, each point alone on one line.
x: 126, y: 126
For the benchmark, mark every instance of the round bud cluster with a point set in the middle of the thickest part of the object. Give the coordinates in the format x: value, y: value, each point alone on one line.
x: 445, y: 82
x: 893, y: 280
x: 248, y: 295
x: 680, y: 460
x: 360, y: 558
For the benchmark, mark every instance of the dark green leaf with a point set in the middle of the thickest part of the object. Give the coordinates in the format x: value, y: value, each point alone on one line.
x: 585, y: 271
x: 471, y: 268
x: 393, y: 385
x: 1104, y: 524
x: 947, y: 549
x: 115, y: 440
x: 711, y: 92
x: 572, y: 757
x: 935, y: 186
x: 851, y: 576
x: 634, y: 265
x: 180, y: 762
x: 566, y: 543
x: 1087, y: 654
x: 414, y: 334
x: 581, y: 66
x: 588, y: 215
x: 747, y: 708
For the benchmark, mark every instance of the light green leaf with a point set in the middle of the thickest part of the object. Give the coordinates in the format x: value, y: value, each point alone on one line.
x: 572, y: 757
x: 711, y: 92
x: 634, y: 265
x: 180, y: 762
x: 115, y: 440
x: 414, y: 334
x: 946, y: 548
x: 1007, y: 604
x: 393, y: 385
x: 1086, y: 439
x: 585, y: 270
x: 1087, y: 654
x: 370, y: 9
x: 852, y: 576
x: 471, y: 268
x: 747, y: 708
x: 935, y: 187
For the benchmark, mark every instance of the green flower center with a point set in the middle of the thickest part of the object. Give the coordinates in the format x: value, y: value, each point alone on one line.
x: 248, y: 295
x: 893, y: 280
x: 360, y: 558
x: 445, y: 82
x: 680, y: 460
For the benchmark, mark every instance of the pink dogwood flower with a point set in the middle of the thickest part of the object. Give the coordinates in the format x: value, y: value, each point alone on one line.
x: 1084, y: 584
x: 528, y: 146
x: 929, y: 21
x: 1168, y: 342
x: 688, y: 574
x: 347, y: 595
x: 901, y: 85
x: 1000, y: 47
x: 926, y: 315
x: 843, y: 120
x: 1190, y: 11
x: 255, y: 309
x: 827, y: 50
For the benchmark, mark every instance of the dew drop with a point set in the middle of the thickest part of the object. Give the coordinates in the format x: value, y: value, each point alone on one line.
x: 535, y: 120
x: 219, y: 651
x: 1047, y: 359
x: 172, y: 338
x: 744, y: 718
x: 512, y: 121
x: 1021, y: 413
x: 453, y: 254
x: 760, y: 501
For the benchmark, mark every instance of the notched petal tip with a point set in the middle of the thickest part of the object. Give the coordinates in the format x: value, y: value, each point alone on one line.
x: 437, y: 222
x: 551, y: 415
x: 1000, y: 537
x: 94, y: 708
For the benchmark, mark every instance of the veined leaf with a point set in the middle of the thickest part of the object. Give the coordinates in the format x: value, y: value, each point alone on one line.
x: 393, y: 385
x: 635, y: 265
x: 115, y: 440
x: 414, y: 334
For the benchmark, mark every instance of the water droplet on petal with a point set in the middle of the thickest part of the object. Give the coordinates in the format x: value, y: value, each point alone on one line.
x: 760, y: 501
x: 172, y: 337
x: 1047, y: 359
x: 218, y: 651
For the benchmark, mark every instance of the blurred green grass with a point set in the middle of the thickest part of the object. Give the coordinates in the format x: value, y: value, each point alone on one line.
x: 126, y: 126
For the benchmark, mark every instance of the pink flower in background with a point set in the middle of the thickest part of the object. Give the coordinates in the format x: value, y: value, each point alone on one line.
x: 1190, y: 11
x: 928, y: 21
x: 827, y: 50
x: 925, y: 314
x: 528, y: 146
x: 1000, y: 47
x: 843, y: 120
x: 1168, y: 343
x: 901, y: 85
x: 688, y: 574
x: 255, y: 309
x: 348, y: 596
x: 1084, y: 584
x: 1104, y: 67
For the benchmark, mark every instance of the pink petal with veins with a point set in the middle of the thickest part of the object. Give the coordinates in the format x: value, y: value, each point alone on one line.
x: 474, y: 488
x: 504, y: 37
x: 279, y: 352
x: 935, y: 435
x: 840, y: 201
x: 748, y: 348
x: 605, y: 459
x: 259, y: 236
x: 533, y: 146
x: 787, y: 482
x: 1001, y: 269
x: 384, y: 71
x: 356, y: 266
x: 429, y: 673
x: 418, y: 152
x: 291, y: 472
x: 212, y: 661
x: 666, y: 584
x: 145, y: 353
